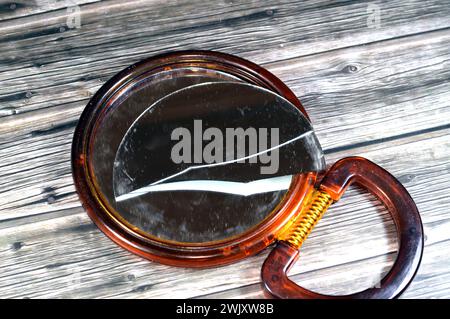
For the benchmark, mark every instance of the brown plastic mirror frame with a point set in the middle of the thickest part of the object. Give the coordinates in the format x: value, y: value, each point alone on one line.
x: 282, y: 224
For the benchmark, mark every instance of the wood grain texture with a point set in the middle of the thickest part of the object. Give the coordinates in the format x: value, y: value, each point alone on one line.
x: 389, y: 81
x: 44, y: 67
x: 16, y: 9
x: 41, y: 249
x: 381, y: 93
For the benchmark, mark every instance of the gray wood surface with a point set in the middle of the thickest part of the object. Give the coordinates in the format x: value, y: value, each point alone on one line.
x: 383, y: 93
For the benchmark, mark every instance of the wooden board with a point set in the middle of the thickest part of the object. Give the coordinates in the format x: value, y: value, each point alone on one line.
x: 378, y: 92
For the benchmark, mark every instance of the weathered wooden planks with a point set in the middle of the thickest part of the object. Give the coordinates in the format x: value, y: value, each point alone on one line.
x: 52, y: 253
x: 345, y: 107
x: 382, y: 93
x: 44, y: 67
x: 10, y: 10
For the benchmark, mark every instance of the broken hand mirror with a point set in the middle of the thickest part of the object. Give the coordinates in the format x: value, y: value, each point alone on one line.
x: 200, y: 159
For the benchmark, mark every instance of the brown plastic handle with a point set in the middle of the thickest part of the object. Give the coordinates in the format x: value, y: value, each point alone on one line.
x: 403, y: 211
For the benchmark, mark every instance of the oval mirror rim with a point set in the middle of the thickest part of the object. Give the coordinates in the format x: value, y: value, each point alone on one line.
x: 163, y: 251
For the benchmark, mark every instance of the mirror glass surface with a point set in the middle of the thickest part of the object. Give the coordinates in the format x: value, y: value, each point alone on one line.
x: 200, y: 156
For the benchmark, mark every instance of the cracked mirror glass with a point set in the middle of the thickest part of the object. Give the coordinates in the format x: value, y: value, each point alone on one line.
x: 203, y: 158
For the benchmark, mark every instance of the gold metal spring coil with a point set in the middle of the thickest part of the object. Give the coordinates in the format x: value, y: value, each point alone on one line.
x: 304, y: 222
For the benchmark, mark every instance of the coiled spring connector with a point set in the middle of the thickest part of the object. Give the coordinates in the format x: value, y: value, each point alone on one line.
x: 303, y: 223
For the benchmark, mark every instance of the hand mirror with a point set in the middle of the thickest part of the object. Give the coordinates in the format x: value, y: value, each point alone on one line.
x: 199, y: 159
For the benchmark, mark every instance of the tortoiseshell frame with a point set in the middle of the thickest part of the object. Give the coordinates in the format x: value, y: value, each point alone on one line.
x: 179, y: 254
x: 338, y: 178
